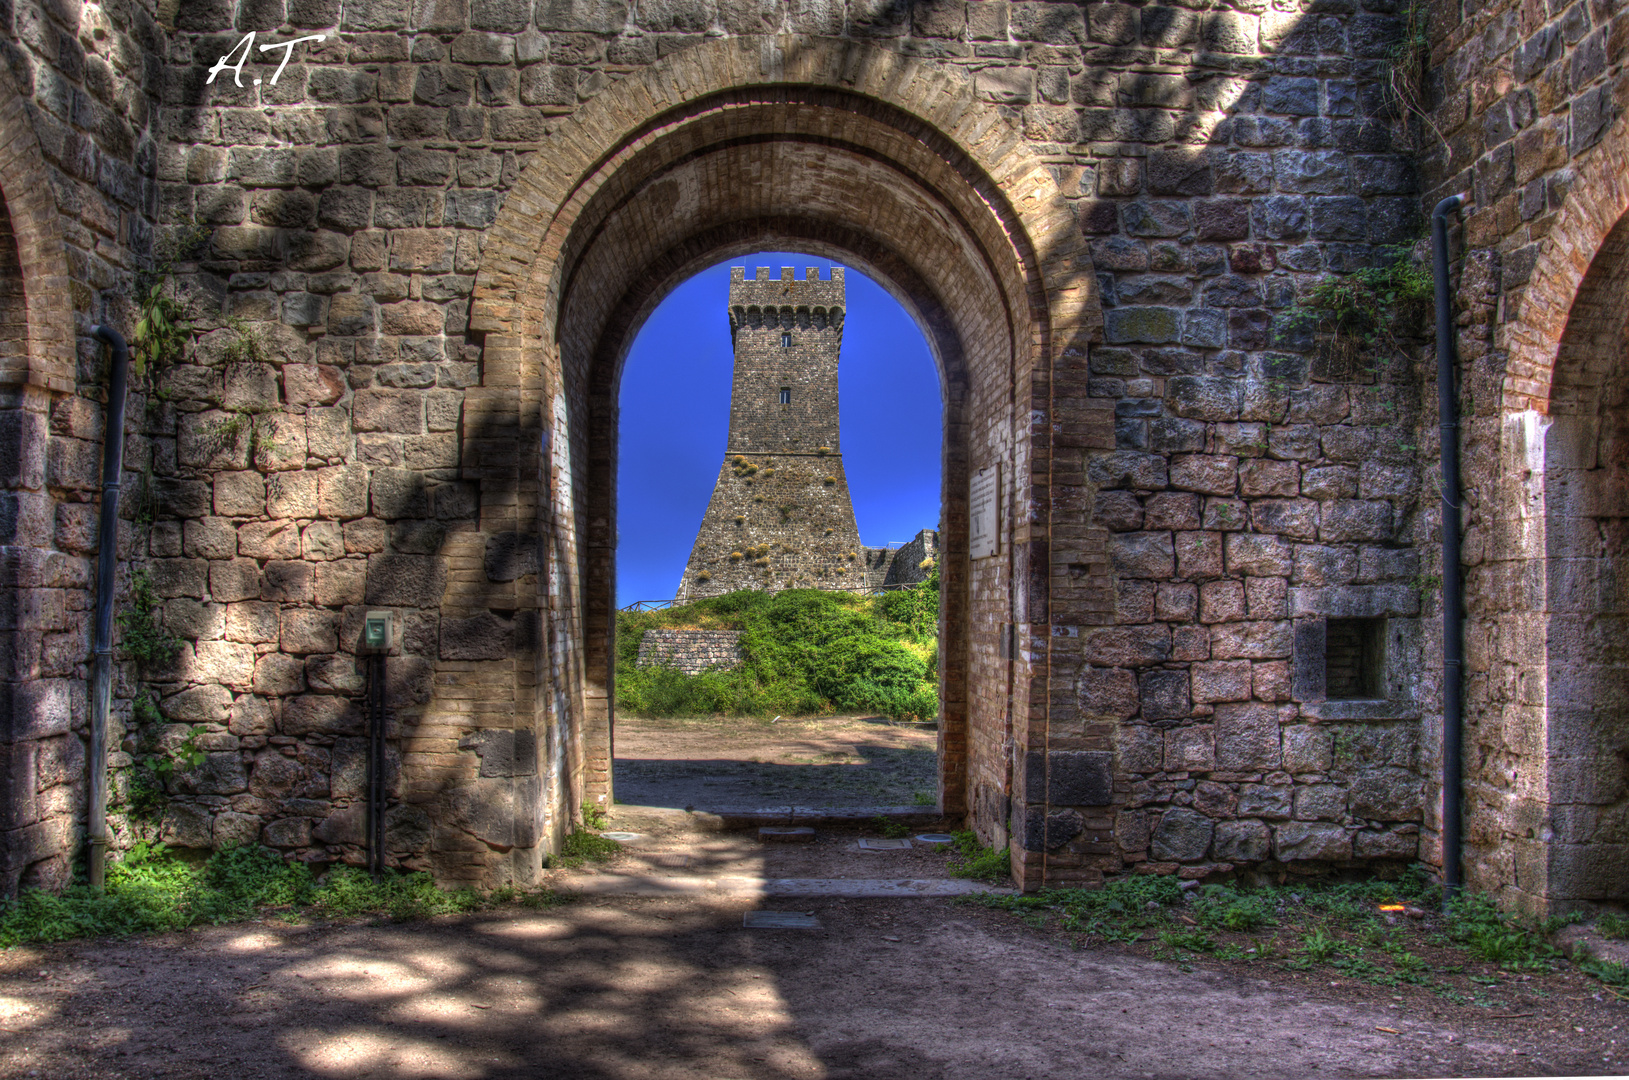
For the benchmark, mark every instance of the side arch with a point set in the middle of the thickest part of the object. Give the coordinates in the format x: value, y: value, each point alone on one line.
x: 1540, y: 311
x: 41, y: 352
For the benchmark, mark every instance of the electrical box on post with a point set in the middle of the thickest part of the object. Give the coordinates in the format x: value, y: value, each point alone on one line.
x: 378, y: 631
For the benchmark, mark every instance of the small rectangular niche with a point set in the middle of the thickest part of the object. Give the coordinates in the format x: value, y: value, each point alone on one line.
x: 1354, y: 659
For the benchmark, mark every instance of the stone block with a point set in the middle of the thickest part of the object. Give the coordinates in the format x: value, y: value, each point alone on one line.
x: 228, y: 663
x: 269, y: 540
x: 1108, y: 692
x: 1221, y: 601
x: 187, y: 826
x: 1200, y: 397
x: 1224, y: 680
x: 399, y: 493
x: 1130, y: 646
x: 1182, y: 835
x: 287, y: 581
x: 194, y: 621
x: 341, y: 582
x: 320, y: 714
x: 1271, y: 801
x: 1259, y: 555
x: 398, y: 411
x: 291, y: 494
x: 482, y: 637
x: 1176, y: 603
x: 322, y: 541
x: 333, y: 675
x: 346, y: 825
x: 237, y: 579
x: 251, y: 621
x: 1241, y: 841
x: 1199, y: 554
x: 1349, y: 520
x: 406, y: 580
x: 1387, y: 795
x: 1164, y: 694
x: 1386, y: 844
x: 307, y: 631
x: 1190, y: 749
x: 234, y: 829
x: 1300, y: 840
x: 1139, y: 748
x: 288, y: 832
x: 1320, y: 802
x: 277, y: 675
x: 209, y: 538
x: 312, y: 384
x: 511, y: 556
x: 1142, y: 554
x: 240, y: 494
x: 1246, y: 737
x: 1049, y: 831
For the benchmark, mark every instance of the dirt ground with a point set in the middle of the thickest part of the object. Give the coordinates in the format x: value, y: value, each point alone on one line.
x: 736, y: 763
x: 626, y: 988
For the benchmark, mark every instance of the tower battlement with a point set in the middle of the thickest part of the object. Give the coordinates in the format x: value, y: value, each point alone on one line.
x: 787, y: 290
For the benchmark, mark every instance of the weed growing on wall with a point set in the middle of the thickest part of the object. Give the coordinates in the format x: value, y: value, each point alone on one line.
x: 806, y: 651
x: 141, y: 637
x: 1374, y: 308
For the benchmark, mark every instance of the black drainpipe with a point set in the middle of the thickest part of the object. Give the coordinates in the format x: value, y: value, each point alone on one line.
x: 107, y: 539
x: 1453, y: 626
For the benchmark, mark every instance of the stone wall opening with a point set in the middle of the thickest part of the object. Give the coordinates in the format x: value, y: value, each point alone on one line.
x: 1584, y: 769
x: 770, y: 488
x: 837, y: 152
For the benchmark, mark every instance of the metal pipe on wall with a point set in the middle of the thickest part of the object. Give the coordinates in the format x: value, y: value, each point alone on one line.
x: 107, y: 538
x: 1453, y: 627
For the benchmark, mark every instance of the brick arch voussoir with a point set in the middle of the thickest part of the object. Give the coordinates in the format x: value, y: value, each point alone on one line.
x: 25, y: 187
x: 516, y: 278
x: 1540, y: 312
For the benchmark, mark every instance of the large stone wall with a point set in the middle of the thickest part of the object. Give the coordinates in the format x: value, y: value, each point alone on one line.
x: 446, y: 219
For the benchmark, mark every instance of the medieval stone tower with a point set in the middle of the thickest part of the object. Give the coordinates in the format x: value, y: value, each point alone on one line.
x: 780, y: 516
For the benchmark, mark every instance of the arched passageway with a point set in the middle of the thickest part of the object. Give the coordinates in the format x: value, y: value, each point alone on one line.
x: 985, y: 258
x: 1585, y: 765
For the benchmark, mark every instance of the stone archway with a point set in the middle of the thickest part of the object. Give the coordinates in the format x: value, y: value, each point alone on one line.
x: 1584, y: 768
x: 831, y: 147
x: 40, y: 352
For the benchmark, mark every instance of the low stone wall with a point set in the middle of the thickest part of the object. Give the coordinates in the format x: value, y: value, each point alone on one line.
x: 691, y: 651
x: 904, y: 565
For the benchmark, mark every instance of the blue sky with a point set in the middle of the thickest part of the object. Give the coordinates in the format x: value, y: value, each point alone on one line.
x: 676, y: 416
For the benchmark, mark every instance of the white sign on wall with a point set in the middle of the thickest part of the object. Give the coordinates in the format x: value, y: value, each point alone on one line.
x: 984, y: 513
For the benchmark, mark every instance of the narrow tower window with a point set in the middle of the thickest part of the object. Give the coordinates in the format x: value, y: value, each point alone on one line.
x: 786, y: 341
x: 786, y: 395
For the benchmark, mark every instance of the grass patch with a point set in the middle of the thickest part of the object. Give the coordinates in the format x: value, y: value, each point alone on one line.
x: 153, y: 889
x: 581, y: 848
x: 806, y: 651
x: 1464, y: 954
x: 974, y: 860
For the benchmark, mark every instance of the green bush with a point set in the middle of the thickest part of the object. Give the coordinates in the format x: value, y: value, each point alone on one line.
x: 805, y: 651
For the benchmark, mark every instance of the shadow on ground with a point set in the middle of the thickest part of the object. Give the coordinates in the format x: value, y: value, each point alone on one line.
x: 635, y: 989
